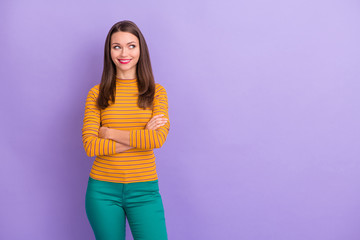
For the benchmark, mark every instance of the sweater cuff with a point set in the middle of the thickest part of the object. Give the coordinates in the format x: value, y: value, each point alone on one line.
x: 132, y: 139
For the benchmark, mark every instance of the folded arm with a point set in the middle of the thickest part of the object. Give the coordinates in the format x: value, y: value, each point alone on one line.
x: 144, y: 138
x: 93, y: 145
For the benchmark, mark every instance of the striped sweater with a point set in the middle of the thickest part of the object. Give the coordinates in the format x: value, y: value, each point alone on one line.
x: 136, y: 164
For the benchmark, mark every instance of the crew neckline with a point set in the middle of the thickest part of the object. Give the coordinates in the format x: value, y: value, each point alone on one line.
x: 134, y: 80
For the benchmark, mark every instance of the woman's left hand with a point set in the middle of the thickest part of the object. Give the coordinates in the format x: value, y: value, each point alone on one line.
x: 104, y: 132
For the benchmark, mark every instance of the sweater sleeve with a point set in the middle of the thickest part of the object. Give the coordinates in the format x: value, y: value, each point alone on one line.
x: 94, y: 146
x: 149, y: 139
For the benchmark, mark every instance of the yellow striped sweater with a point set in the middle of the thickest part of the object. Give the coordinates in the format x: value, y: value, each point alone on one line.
x: 136, y: 164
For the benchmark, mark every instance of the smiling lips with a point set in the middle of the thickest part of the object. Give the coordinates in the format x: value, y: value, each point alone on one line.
x: 124, y: 61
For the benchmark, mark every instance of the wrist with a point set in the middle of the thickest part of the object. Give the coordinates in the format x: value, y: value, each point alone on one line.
x: 120, y: 136
x: 110, y: 134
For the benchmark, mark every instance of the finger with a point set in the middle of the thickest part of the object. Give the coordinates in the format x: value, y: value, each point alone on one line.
x: 151, y: 124
x: 156, y: 121
x: 152, y: 128
x: 156, y: 118
x: 161, y: 120
x: 160, y: 125
x: 155, y: 126
x: 159, y: 115
x: 153, y: 119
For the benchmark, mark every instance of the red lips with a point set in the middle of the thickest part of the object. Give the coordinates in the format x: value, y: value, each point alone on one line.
x: 124, y: 61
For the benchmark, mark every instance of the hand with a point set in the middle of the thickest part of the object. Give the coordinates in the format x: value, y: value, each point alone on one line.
x: 156, y: 122
x: 119, y: 147
x: 104, y: 132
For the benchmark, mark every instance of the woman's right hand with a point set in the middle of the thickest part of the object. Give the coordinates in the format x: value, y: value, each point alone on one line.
x: 156, y: 122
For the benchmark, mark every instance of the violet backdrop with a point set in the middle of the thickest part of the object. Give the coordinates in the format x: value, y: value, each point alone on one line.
x: 263, y: 104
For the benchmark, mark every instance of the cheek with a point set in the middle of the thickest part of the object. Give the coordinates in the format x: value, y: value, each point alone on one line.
x: 113, y: 56
x: 137, y: 54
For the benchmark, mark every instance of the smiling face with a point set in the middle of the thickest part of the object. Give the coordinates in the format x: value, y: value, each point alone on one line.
x: 125, y: 53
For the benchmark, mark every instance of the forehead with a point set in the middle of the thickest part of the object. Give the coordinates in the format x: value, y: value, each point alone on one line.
x: 123, y: 37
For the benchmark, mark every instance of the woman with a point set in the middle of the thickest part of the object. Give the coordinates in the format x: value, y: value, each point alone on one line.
x: 126, y: 117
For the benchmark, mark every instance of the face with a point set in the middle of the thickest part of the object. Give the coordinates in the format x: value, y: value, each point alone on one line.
x: 125, y: 53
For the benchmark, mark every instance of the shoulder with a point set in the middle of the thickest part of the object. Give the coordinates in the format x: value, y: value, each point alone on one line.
x: 159, y: 89
x: 94, y: 90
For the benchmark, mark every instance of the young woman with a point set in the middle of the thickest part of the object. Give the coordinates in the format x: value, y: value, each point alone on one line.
x: 126, y: 117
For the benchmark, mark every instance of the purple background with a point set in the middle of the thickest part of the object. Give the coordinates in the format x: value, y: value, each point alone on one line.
x: 263, y: 103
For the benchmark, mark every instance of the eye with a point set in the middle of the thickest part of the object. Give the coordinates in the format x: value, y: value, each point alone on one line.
x: 130, y: 46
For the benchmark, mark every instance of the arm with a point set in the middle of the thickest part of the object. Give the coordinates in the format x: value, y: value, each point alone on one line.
x: 93, y: 145
x: 149, y: 139
x: 146, y: 139
x: 119, y: 147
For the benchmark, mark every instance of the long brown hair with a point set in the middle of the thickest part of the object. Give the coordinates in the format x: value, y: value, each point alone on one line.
x: 145, y: 78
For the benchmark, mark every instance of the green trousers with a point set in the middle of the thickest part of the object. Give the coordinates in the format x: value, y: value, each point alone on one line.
x: 107, y: 204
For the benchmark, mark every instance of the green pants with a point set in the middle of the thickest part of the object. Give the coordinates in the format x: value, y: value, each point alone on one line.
x: 108, y: 203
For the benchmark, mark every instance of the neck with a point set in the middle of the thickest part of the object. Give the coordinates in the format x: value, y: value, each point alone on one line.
x: 130, y: 74
x: 129, y: 80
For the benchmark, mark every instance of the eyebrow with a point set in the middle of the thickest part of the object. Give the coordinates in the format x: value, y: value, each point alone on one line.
x: 127, y: 43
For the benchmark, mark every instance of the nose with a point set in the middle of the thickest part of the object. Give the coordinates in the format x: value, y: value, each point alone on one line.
x: 123, y: 53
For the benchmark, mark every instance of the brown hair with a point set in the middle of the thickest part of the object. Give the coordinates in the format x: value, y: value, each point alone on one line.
x: 145, y: 78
